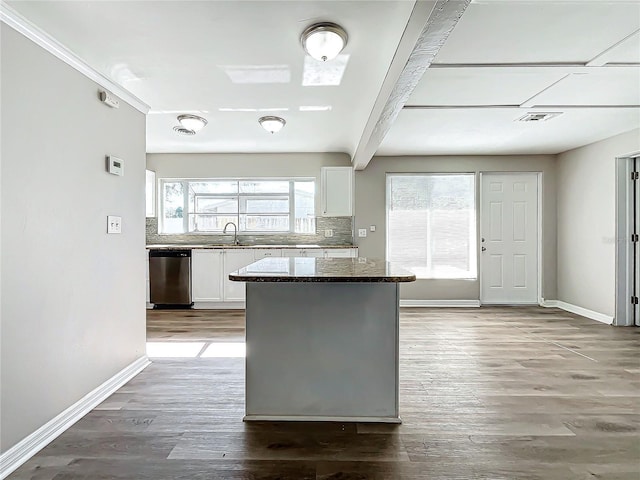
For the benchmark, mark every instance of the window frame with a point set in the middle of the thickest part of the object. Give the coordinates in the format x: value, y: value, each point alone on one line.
x: 239, y: 197
x: 474, y: 242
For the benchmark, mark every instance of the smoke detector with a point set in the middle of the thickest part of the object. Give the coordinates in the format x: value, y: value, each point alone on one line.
x: 538, y: 116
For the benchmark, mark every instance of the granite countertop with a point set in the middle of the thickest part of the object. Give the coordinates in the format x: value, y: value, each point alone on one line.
x: 178, y: 246
x: 309, y: 269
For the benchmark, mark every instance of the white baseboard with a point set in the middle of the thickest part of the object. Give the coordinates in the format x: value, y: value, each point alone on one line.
x: 600, y: 317
x: 219, y: 305
x: 32, y: 444
x: 440, y: 303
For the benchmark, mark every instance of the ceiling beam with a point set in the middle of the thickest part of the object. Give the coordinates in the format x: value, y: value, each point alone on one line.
x: 426, y: 31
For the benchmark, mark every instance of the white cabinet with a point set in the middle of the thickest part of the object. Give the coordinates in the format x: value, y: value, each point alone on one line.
x: 340, y: 252
x: 210, y: 269
x: 320, y: 252
x: 303, y: 252
x: 234, y: 260
x: 259, y: 253
x: 206, y: 282
x: 337, y: 191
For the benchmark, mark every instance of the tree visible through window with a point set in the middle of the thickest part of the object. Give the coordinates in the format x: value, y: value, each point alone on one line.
x: 254, y: 205
x: 431, y: 224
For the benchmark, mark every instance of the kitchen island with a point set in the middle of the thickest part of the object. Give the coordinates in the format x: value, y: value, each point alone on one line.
x: 322, y: 339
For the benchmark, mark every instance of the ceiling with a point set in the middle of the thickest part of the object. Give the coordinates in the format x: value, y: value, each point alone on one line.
x: 488, y: 63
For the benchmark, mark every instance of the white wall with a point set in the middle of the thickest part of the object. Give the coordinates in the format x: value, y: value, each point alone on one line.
x: 371, y: 210
x: 73, y: 309
x: 586, y: 222
x: 211, y: 165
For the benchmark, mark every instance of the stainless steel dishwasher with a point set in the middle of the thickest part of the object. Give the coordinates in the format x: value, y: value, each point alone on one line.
x: 170, y: 278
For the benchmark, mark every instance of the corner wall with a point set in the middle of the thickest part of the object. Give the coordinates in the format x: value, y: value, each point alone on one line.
x: 73, y: 297
x: 587, y: 222
x: 370, y: 206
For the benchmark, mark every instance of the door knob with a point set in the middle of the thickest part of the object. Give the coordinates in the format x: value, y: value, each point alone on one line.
x: 484, y: 249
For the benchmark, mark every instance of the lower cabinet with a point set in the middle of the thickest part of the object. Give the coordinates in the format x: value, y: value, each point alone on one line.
x: 235, y: 260
x: 341, y: 252
x: 210, y: 269
x: 206, y: 282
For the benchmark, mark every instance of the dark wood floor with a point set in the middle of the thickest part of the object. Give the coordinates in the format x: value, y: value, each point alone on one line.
x: 490, y: 393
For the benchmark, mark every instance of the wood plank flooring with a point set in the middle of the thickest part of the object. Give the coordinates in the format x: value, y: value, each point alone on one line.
x: 488, y: 393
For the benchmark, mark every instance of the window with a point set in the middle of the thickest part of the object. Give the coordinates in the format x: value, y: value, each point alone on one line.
x: 254, y: 205
x: 431, y: 224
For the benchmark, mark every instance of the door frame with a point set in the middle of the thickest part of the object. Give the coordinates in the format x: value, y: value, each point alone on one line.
x: 624, y: 220
x: 539, y: 178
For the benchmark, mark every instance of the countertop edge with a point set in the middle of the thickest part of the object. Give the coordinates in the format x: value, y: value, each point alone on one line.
x: 245, y: 247
x: 302, y: 279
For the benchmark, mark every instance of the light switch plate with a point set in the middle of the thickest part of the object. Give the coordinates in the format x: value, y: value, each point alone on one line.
x: 372, y: 228
x: 362, y: 232
x: 114, y: 224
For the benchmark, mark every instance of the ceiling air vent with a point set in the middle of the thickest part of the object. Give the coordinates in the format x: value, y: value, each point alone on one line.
x: 538, y: 116
x: 184, y: 131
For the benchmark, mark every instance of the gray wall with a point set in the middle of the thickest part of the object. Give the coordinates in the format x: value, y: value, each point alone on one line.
x: 587, y: 222
x: 211, y: 165
x: 73, y: 309
x: 371, y: 210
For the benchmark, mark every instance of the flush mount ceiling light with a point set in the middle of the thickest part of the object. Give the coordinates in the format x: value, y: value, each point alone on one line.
x: 272, y: 124
x: 192, y: 122
x: 324, y: 41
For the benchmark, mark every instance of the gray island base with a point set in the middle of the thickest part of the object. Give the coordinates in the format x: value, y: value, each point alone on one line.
x: 322, y: 339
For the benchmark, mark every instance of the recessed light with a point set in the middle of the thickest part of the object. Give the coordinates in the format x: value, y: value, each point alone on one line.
x: 183, y: 131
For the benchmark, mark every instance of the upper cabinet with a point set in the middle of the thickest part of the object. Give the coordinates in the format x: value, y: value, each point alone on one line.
x: 337, y: 191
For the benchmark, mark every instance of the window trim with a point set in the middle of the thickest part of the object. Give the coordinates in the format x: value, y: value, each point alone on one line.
x: 185, y: 206
x: 475, y: 219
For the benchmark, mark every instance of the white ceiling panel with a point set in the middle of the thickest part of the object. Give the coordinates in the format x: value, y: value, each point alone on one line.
x: 475, y: 132
x: 234, y: 61
x: 215, y: 57
x: 481, y: 86
x: 528, y: 32
x: 597, y: 86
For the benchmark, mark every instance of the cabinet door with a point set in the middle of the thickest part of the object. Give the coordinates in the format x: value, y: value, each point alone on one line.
x: 293, y: 252
x: 341, y: 252
x: 259, y: 253
x: 303, y: 252
x: 206, y: 271
x: 235, y: 260
x: 337, y: 191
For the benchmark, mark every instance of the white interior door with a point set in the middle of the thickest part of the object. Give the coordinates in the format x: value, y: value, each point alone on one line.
x: 509, y: 238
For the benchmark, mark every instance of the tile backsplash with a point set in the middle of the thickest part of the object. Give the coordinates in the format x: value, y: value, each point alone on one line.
x: 342, y: 235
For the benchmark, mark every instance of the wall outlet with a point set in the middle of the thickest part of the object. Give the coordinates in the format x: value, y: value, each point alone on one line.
x: 362, y: 232
x: 328, y: 232
x: 372, y: 228
x: 114, y: 224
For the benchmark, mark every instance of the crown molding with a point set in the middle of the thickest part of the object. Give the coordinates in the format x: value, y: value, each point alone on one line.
x: 23, y: 26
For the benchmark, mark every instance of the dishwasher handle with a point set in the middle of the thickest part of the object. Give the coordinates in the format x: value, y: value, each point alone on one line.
x: 169, y: 253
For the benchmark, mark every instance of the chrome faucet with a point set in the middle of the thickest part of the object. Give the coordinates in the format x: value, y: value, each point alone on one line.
x: 235, y: 232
